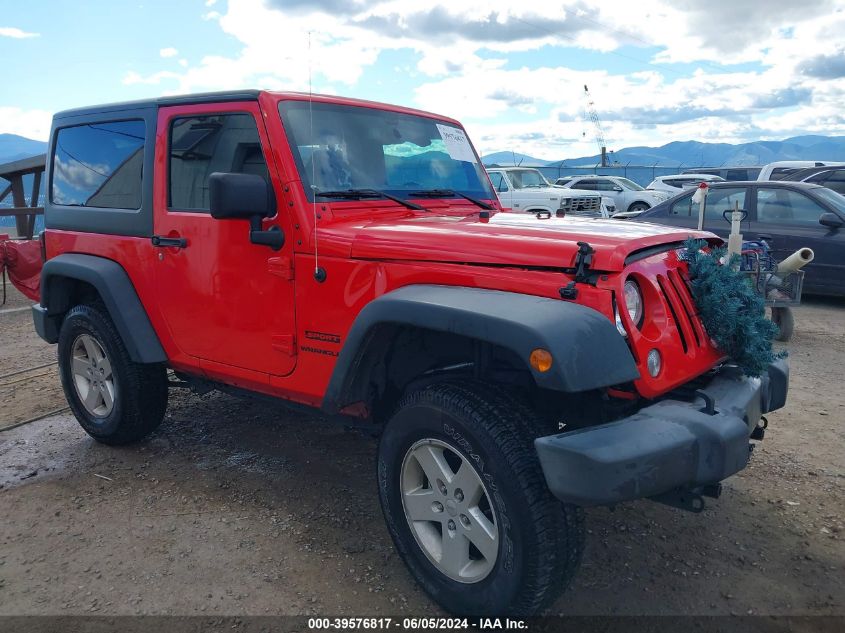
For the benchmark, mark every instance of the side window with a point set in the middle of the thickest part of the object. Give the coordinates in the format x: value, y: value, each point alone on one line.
x: 836, y: 181
x: 99, y: 165
x: 721, y: 200
x: 499, y: 183
x: 590, y: 185
x: 718, y: 201
x: 781, y: 206
x: 737, y: 174
x: 202, y: 145
x: 683, y: 206
x: 606, y: 185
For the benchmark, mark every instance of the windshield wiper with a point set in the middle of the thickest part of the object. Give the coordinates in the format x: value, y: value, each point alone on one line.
x: 360, y: 194
x: 450, y: 193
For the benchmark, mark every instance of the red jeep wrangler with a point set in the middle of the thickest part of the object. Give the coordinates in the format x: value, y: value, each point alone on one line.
x: 352, y: 256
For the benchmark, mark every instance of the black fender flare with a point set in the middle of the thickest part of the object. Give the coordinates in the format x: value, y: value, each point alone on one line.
x: 117, y: 292
x: 587, y: 349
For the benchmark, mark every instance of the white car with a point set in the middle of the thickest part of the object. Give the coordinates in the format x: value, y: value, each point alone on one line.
x: 680, y: 182
x: 526, y: 189
x: 626, y: 194
x: 774, y: 171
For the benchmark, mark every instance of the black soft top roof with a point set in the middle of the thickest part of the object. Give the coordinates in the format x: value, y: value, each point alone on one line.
x: 204, y: 97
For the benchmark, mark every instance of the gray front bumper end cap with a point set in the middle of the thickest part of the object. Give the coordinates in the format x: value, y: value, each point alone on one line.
x: 670, y: 445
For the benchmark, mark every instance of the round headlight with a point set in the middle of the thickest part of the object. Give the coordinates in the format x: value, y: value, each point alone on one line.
x: 634, y: 302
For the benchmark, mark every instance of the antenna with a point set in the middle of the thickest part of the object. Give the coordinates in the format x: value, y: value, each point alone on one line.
x: 319, y: 273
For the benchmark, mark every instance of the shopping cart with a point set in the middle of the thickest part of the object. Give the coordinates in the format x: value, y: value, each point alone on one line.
x: 779, y: 290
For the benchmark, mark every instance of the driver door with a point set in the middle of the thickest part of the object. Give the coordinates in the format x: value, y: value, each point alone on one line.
x: 228, y: 303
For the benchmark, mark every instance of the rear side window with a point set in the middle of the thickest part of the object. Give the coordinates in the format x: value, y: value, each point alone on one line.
x: 99, y: 165
x: 202, y: 145
x: 781, y: 206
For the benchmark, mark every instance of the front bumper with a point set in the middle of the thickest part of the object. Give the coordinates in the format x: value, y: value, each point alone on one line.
x: 663, y: 447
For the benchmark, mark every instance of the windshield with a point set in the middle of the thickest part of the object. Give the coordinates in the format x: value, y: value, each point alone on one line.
x: 836, y: 200
x: 341, y: 147
x: 526, y: 178
x: 629, y: 184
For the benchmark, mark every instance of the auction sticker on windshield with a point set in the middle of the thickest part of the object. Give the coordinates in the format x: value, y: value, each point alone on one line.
x: 456, y: 142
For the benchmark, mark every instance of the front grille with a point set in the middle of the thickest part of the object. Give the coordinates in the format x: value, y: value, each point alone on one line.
x: 584, y: 205
x: 676, y: 292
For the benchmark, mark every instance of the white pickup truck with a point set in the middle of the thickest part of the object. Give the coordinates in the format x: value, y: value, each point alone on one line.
x: 526, y: 189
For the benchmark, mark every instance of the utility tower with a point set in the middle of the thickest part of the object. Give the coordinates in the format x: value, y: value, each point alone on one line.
x: 590, y: 113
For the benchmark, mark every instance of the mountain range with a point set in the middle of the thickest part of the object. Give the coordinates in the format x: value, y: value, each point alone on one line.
x: 677, y: 154
x: 14, y: 147
x: 696, y: 154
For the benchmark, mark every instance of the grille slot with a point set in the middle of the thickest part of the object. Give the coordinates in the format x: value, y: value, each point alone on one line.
x: 661, y: 281
x: 688, y: 305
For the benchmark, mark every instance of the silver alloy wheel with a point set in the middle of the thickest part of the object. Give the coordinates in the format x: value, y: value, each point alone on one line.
x: 449, y: 511
x: 92, y: 376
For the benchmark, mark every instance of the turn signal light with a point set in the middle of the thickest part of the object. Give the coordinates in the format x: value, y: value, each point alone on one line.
x: 541, y: 360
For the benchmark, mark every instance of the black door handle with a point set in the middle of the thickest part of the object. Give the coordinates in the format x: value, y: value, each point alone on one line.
x: 178, y: 242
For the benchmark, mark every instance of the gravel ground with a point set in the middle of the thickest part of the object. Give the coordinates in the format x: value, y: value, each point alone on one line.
x: 236, y: 507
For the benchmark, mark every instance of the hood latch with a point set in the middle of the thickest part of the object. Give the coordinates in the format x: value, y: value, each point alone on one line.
x: 583, y: 259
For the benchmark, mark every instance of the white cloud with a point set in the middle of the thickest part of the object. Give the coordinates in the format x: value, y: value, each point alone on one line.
x: 463, y: 50
x: 15, y: 33
x: 210, y: 3
x: 168, y: 52
x: 33, y: 124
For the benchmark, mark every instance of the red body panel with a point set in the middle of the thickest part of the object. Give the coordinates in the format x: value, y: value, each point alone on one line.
x: 248, y: 316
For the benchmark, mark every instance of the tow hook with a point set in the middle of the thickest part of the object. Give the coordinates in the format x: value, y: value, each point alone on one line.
x: 709, y: 402
x: 760, y: 430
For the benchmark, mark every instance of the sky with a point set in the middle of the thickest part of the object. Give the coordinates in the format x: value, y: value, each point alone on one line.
x: 512, y: 72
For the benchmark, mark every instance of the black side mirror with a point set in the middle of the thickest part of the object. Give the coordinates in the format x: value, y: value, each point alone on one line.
x: 245, y: 197
x: 239, y: 196
x: 617, y: 188
x: 831, y: 220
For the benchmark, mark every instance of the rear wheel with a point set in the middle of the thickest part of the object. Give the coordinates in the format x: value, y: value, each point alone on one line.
x: 467, y: 505
x: 115, y: 400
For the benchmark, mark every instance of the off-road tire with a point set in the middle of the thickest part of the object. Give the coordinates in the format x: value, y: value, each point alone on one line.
x: 140, y: 399
x: 541, y: 539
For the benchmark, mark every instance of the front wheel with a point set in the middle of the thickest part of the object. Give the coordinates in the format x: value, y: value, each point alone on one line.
x: 639, y: 206
x: 115, y: 400
x: 467, y: 506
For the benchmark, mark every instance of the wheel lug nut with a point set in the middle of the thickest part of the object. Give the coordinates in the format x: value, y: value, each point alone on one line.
x: 459, y: 494
x: 451, y: 525
x: 441, y: 487
x: 437, y: 506
x: 465, y: 520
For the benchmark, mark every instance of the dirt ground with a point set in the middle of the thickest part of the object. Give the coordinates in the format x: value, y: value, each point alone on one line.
x: 235, y: 507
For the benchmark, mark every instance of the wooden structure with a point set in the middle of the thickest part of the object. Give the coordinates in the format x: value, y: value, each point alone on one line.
x: 23, y: 211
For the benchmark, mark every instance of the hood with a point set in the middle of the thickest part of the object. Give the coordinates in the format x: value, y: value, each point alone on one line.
x: 514, y: 239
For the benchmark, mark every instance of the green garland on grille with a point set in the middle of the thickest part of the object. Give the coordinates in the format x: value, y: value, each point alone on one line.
x: 733, y: 314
